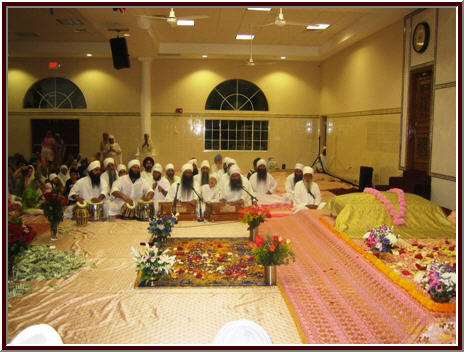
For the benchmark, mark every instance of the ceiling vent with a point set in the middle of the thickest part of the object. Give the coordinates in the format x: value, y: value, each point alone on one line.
x: 69, y: 21
x: 27, y: 34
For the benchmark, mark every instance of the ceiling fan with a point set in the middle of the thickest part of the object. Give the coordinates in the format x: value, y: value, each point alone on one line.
x: 250, y: 61
x: 172, y: 19
x: 280, y: 21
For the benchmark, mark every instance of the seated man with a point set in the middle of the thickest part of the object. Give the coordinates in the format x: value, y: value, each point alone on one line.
x: 261, y: 181
x: 71, y: 182
x: 183, y: 190
x: 148, y: 163
x: 307, y: 193
x: 230, y: 162
x: 211, y: 192
x: 236, y: 188
x: 110, y: 174
x: 90, y: 189
x: 193, y: 161
x: 160, y: 186
x: 222, y: 170
x: 31, y: 199
x: 203, y: 177
x: 129, y: 189
x: 217, y: 163
x: 55, y: 182
x: 255, y: 167
x: 171, y: 174
x: 292, y: 180
x: 122, y: 170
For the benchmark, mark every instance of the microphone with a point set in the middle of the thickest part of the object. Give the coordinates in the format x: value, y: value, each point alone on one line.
x: 174, y: 205
x: 252, y: 196
x: 200, y: 199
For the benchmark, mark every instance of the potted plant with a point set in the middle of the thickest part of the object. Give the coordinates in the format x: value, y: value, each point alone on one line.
x: 380, y: 239
x: 53, y: 210
x: 161, y: 227
x: 254, y: 216
x: 270, y: 252
x: 152, y: 263
x: 440, y: 281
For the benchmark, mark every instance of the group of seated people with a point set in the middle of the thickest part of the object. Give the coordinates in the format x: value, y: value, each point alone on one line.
x: 115, y: 185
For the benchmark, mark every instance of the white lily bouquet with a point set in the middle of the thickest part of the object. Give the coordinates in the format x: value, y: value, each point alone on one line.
x: 153, y: 263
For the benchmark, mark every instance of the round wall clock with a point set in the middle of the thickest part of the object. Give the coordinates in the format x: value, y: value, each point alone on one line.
x: 421, y: 37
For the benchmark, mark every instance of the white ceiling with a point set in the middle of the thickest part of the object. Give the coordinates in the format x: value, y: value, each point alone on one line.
x: 35, y: 32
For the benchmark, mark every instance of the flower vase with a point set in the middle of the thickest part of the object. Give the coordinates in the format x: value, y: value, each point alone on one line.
x: 152, y: 282
x: 253, y: 232
x: 53, y: 231
x: 270, y: 275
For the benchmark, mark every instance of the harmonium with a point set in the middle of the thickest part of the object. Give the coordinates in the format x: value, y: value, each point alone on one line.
x: 222, y: 211
x: 185, y: 210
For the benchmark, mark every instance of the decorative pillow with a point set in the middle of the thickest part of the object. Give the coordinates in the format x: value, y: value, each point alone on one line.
x: 452, y: 217
x: 358, y: 212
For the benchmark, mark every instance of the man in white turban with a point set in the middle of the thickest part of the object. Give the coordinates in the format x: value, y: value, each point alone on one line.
x: 90, y: 189
x: 292, y: 179
x: 223, y: 170
x: 63, y: 176
x: 110, y: 175
x: 242, y: 332
x: 193, y: 161
x: 203, y: 177
x: 122, y: 170
x: 160, y: 186
x: 55, y: 181
x: 261, y: 181
x: 307, y: 192
x: 171, y: 174
x: 183, y: 190
x: 226, y: 175
x: 129, y: 189
x: 232, y: 189
x: 113, y: 150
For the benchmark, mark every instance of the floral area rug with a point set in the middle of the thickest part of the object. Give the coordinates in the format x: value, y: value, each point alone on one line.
x: 212, y: 262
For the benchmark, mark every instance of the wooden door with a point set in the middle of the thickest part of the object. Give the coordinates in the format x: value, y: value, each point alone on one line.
x: 419, y: 135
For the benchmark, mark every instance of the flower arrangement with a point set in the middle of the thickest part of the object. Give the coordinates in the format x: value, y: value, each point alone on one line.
x: 440, y: 281
x: 254, y: 215
x: 152, y: 263
x: 271, y: 250
x: 161, y: 226
x: 398, y: 216
x: 19, y: 238
x: 53, y: 206
x: 381, y: 239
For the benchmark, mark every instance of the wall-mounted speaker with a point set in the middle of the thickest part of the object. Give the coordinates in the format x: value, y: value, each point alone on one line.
x: 120, y: 53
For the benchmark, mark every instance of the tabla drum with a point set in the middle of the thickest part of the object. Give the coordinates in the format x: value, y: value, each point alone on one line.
x: 81, y: 214
x: 145, y: 210
x: 128, y: 211
x: 95, y: 211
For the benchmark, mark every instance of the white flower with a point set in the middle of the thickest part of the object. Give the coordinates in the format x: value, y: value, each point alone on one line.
x: 153, y: 259
x: 204, y: 255
x: 134, y: 252
x: 419, y: 276
x: 161, y: 226
x: 366, y: 235
x: 378, y: 245
x: 392, y: 238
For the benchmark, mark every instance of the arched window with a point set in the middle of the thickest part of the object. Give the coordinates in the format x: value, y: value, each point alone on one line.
x: 54, y: 93
x: 237, y: 94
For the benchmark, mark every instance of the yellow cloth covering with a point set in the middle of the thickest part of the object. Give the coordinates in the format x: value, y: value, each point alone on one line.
x: 101, y: 306
x: 358, y: 212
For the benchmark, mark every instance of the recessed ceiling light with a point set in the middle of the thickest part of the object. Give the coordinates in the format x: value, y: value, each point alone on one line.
x: 245, y: 36
x: 283, y: 57
x: 204, y: 56
x: 259, y: 8
x: 88, y: 54
x: 185, y: 22
x: 319, y: 26
x: 126, y: 35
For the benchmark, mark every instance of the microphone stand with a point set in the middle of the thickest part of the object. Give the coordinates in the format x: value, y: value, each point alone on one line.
x: 174, y: 205
x: 252, y: 196
x: 199, y: 198
x: 318, y: 158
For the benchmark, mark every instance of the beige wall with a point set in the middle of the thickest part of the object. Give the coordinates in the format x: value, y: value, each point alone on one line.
x: 113, y: 105
x: 361, y: 94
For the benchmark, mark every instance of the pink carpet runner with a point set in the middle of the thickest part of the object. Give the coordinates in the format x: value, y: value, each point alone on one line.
x: 338, y: 296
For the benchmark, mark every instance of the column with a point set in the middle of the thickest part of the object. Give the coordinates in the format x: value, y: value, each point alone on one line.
x: 145, y: 97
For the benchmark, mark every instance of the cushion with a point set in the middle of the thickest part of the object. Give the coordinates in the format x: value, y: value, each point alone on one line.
x: 356, y: 213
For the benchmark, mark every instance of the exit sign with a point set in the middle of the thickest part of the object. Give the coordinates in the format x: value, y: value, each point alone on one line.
x: 53, y: 65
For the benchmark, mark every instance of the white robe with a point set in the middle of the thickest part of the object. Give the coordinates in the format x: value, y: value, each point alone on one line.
x: 176, y: 180
x: 180, y: 196
x: 83, y: 188
x: 134, y: 191
x: 116, y: 155
x: 197, y: 179
x: 290, y: 184
x: 147, y: 176
x: 106, y: 177
x: 159, y: 196
x: 303, y: 198
x: 235, y: 196
x: 270, y: 185
x: 211, y: 194
x: 63, y: 178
